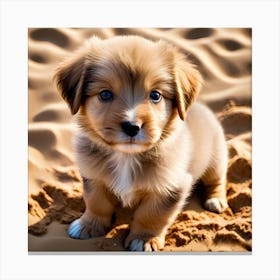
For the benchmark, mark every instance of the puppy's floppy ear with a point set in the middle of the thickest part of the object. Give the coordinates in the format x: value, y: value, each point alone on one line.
x: 69, y: 78
x: 188, y: 83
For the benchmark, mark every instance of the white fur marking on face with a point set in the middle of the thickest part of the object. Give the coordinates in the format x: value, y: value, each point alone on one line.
x: 124, y: 169
x: 131, y: 115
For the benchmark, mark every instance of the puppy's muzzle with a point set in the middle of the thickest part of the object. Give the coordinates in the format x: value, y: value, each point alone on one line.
x: 130, y: 129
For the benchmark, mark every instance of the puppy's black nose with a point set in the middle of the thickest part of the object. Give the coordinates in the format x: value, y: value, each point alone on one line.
x: 130, y: 129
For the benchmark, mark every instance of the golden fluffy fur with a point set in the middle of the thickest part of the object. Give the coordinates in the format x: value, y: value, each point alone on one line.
x: 143, y: 141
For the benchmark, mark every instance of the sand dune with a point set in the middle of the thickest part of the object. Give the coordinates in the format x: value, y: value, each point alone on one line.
x: 224, y: 58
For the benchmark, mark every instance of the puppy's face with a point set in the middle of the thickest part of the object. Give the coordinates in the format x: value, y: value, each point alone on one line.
x: 128, y: 90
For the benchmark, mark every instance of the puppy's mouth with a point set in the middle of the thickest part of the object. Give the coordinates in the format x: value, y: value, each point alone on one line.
x: 130, y: 142
x: 130, y: 148
x: 131, y: 145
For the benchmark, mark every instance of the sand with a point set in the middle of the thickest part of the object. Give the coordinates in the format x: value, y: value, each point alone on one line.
x: 55, y: 190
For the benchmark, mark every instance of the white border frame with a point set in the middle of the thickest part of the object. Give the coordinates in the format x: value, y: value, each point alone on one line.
x: 17, y: 16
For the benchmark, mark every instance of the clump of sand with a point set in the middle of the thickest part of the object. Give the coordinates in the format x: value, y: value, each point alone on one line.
x: 55, y: 188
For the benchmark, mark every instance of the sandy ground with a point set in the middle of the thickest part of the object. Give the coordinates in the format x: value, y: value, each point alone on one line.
x: 55, y: 191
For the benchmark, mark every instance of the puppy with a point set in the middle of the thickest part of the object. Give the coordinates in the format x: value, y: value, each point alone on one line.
x: 142, y: 140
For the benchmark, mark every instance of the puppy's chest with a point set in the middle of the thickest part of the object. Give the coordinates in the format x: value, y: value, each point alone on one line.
x: 126, y: 171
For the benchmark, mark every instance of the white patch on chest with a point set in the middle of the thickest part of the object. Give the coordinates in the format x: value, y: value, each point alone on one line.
x: 124, y: 167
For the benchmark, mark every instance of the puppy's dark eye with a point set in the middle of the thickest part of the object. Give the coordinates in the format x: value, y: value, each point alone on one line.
x: 155, y: 96
x: 106, y: 96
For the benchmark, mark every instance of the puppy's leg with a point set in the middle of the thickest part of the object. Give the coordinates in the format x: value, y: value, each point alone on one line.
x: 152, y: 219
x: 214, y: 180
x: 215, y: 195
x: 98, y: 215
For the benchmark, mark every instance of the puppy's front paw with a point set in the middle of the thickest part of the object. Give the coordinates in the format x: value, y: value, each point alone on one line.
x: 75, y: 229
x: 215, y: 204
x: 82, y: 230
x: 143, y: 243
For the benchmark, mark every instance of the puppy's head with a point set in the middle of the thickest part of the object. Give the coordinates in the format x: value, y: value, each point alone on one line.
x: 128, y: 90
